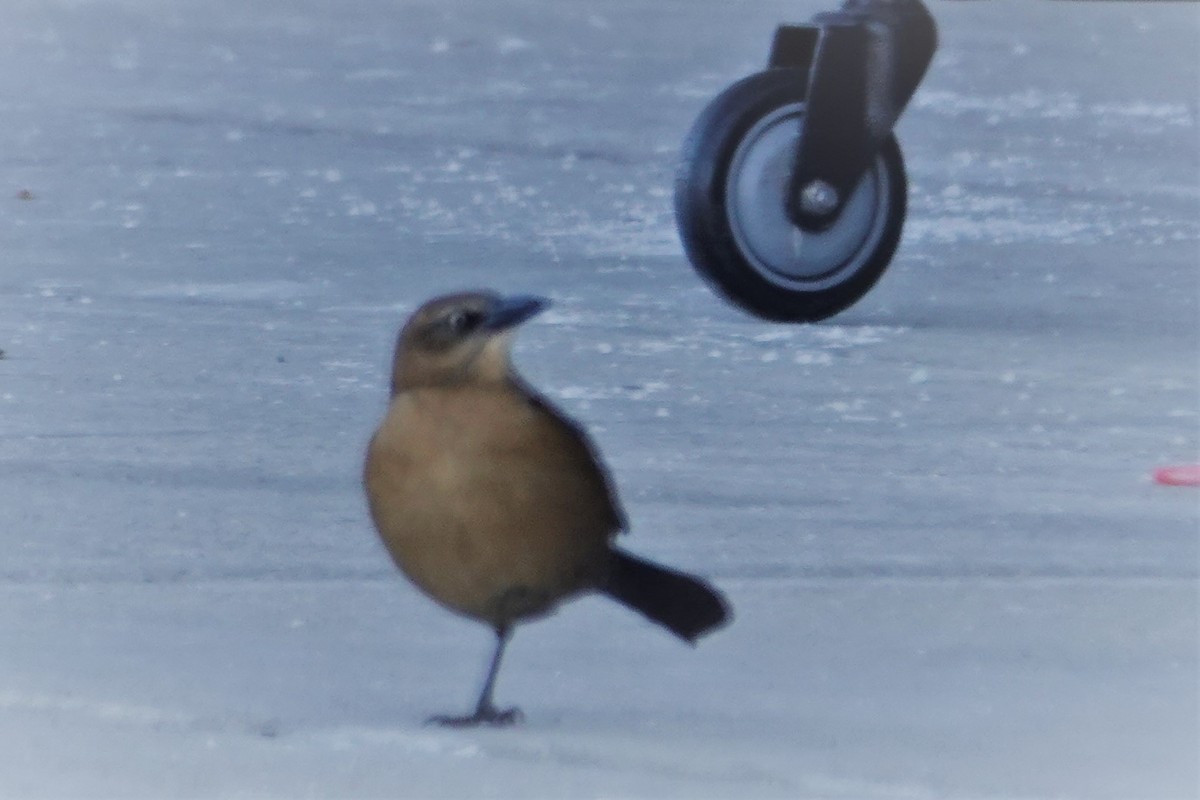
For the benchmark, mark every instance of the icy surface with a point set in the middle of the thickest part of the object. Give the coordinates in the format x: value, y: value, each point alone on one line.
x: 952, y: 574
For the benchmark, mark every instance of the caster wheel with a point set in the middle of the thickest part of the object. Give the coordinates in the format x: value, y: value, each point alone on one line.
x: 730, y: 207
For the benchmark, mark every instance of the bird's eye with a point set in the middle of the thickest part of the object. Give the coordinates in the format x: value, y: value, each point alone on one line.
x: 461, y: 322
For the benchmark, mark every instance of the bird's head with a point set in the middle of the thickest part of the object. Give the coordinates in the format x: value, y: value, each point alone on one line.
x: 460, y: 338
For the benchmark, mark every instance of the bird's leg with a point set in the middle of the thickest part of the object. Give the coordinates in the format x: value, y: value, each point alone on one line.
x: 484, y: 708
x: 486, y: 712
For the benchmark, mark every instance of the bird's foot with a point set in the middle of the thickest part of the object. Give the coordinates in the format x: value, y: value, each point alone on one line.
x: 498, y: 718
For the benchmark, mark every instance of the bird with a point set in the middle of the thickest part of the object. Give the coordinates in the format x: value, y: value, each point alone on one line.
x: 495, y: 503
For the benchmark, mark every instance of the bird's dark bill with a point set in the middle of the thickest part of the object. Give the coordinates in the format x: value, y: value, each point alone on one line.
x: 511, y: 311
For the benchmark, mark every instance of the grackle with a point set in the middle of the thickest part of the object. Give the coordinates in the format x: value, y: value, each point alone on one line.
x: 491, y: 500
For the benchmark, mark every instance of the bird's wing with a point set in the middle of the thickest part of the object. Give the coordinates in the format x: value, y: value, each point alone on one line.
x: 587, y: 451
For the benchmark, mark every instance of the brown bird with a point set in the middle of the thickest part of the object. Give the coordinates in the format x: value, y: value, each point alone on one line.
x: 492, y: 501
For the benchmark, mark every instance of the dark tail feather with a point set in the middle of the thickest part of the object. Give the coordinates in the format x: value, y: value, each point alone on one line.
x: 686, y: 606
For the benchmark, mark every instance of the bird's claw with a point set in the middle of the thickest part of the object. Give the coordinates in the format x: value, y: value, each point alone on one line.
x: 497, y: 718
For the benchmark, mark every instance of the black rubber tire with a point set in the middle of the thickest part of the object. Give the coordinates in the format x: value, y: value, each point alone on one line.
x: 708, y: 230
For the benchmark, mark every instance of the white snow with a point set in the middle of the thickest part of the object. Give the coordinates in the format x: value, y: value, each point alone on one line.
x: 951, y: 572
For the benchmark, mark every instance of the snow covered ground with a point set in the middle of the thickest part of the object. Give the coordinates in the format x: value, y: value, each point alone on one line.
x: 952, y: 574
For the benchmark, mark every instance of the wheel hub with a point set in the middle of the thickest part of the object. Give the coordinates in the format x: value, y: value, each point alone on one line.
x: 756, y: 201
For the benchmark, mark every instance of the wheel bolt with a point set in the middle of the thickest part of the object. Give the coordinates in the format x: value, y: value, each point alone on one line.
x: 818, y: 197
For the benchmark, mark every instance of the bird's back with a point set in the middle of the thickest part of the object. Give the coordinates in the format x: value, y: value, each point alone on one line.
x: 489, y: 500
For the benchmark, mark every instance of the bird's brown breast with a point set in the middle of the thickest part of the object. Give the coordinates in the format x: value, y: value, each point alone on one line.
x: 488, y: 501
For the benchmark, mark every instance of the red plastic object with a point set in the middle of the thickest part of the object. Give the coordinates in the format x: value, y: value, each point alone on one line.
x: 1179, y: 475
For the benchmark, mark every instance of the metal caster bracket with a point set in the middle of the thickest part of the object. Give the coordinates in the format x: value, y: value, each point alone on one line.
x: 862, y: 64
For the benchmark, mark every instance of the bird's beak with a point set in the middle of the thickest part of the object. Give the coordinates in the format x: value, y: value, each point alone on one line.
x: 512, y: 311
